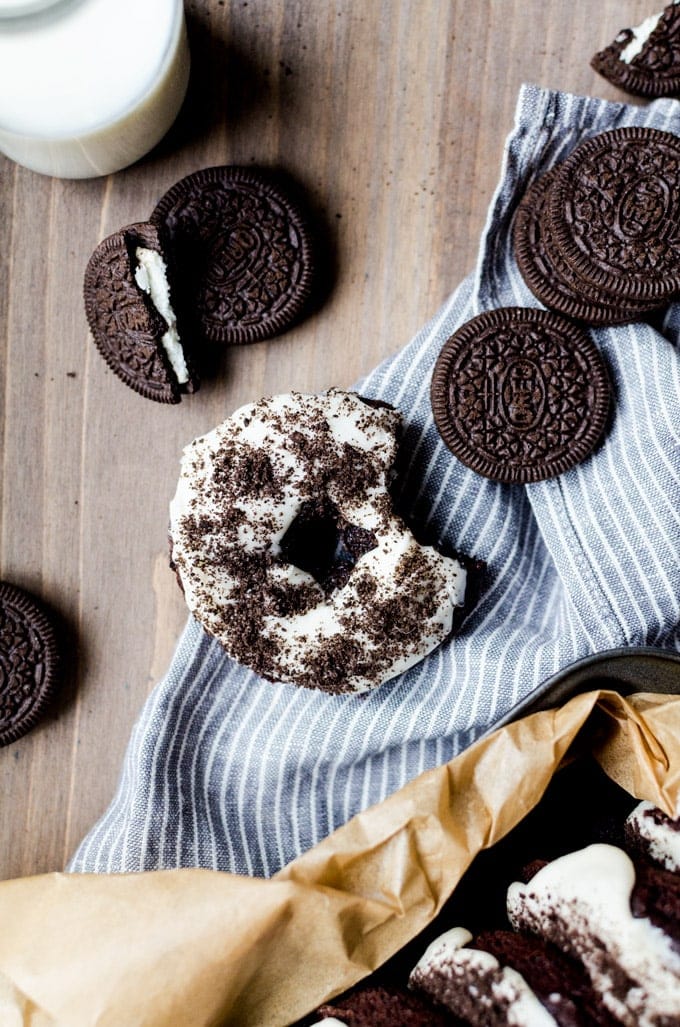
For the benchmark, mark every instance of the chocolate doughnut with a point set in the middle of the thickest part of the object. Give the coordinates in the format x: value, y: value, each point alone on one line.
x: 595, y: 907
x: 652, y: 834
x: 503, y: 977
x: 289, y: 552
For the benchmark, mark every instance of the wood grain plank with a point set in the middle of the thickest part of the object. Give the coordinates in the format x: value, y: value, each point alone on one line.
x: 391, y: 115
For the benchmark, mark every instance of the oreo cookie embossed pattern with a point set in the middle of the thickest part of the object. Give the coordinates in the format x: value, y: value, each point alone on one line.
x: 615, y: 213
x: 29, y: 661
x: 596, y: 237
x: 548, y: 275
x: 520, y: 395
x: 244, y: 248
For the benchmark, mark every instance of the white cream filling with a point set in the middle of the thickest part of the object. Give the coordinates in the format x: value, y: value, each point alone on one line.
x: 662, y: 841
x: 448, y: 958
x: 151, y: 275
x: 641, y: 34
x: 349, y: 421
x: 587, y: 895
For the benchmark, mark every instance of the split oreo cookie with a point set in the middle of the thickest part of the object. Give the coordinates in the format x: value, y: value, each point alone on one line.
x: 548, y: 276
x: 614, y: 212
x: 130, y: 313
x: 29, y: 662
x: 243, y: 248
x: 645, y: 60
x: 520, y: 395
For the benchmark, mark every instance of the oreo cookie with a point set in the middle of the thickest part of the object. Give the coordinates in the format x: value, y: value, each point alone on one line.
x: 244, y: 248
x: 548, y: 276
x: 645, y: 60
x: 29, y: 662
x: 226, y: 258
x: 614, y: 211
x: 129, y: 308
x: 520, y: 395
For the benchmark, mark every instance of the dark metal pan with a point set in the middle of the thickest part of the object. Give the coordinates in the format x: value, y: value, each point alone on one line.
x: 643, y: 669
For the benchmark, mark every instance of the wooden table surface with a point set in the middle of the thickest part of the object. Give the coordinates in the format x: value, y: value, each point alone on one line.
x: 392, y: 116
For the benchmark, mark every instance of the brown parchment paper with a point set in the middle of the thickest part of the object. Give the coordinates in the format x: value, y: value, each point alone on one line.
x: 188, y: 948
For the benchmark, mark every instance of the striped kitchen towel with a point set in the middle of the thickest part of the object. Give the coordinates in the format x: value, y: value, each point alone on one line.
x: 227, y: 771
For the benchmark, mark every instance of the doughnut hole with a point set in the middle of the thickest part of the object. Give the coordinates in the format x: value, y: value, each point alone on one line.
x: 321, y: 542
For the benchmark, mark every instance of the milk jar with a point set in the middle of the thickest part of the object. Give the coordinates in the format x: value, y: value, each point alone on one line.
x: 89, y: 86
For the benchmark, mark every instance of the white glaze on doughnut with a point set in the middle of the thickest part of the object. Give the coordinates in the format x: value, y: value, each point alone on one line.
x: 241, y: 487
x: 450, y: 973
x: 582, y: 903
x: 655, y: 833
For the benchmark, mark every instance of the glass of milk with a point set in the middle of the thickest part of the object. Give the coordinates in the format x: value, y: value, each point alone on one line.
x: 89, y: 86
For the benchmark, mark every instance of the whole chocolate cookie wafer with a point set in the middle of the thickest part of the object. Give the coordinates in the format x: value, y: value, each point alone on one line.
x: 129, y: 310
x: 244, y: 249
x: 645, y: 60
x: 615, y: 213
x: 29, y: 661
x: 520, y: 395
x: 550, y: 279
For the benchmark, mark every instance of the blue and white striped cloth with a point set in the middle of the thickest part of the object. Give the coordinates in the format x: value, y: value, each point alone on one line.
x: 229, y: 772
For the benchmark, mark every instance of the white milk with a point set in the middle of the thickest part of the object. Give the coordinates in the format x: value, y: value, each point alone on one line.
x: 89, y: 86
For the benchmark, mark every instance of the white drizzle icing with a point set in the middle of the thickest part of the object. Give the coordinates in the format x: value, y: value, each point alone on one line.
x: 582, y: 902
x: 662, y: 841
x: 447, y: 963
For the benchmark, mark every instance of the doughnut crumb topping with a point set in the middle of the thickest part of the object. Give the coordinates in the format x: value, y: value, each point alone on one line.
x: 289, y: 551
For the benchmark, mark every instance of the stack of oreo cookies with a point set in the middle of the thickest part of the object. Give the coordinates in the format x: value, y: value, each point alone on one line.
x: 597, y: 238
x: 520, y: 395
